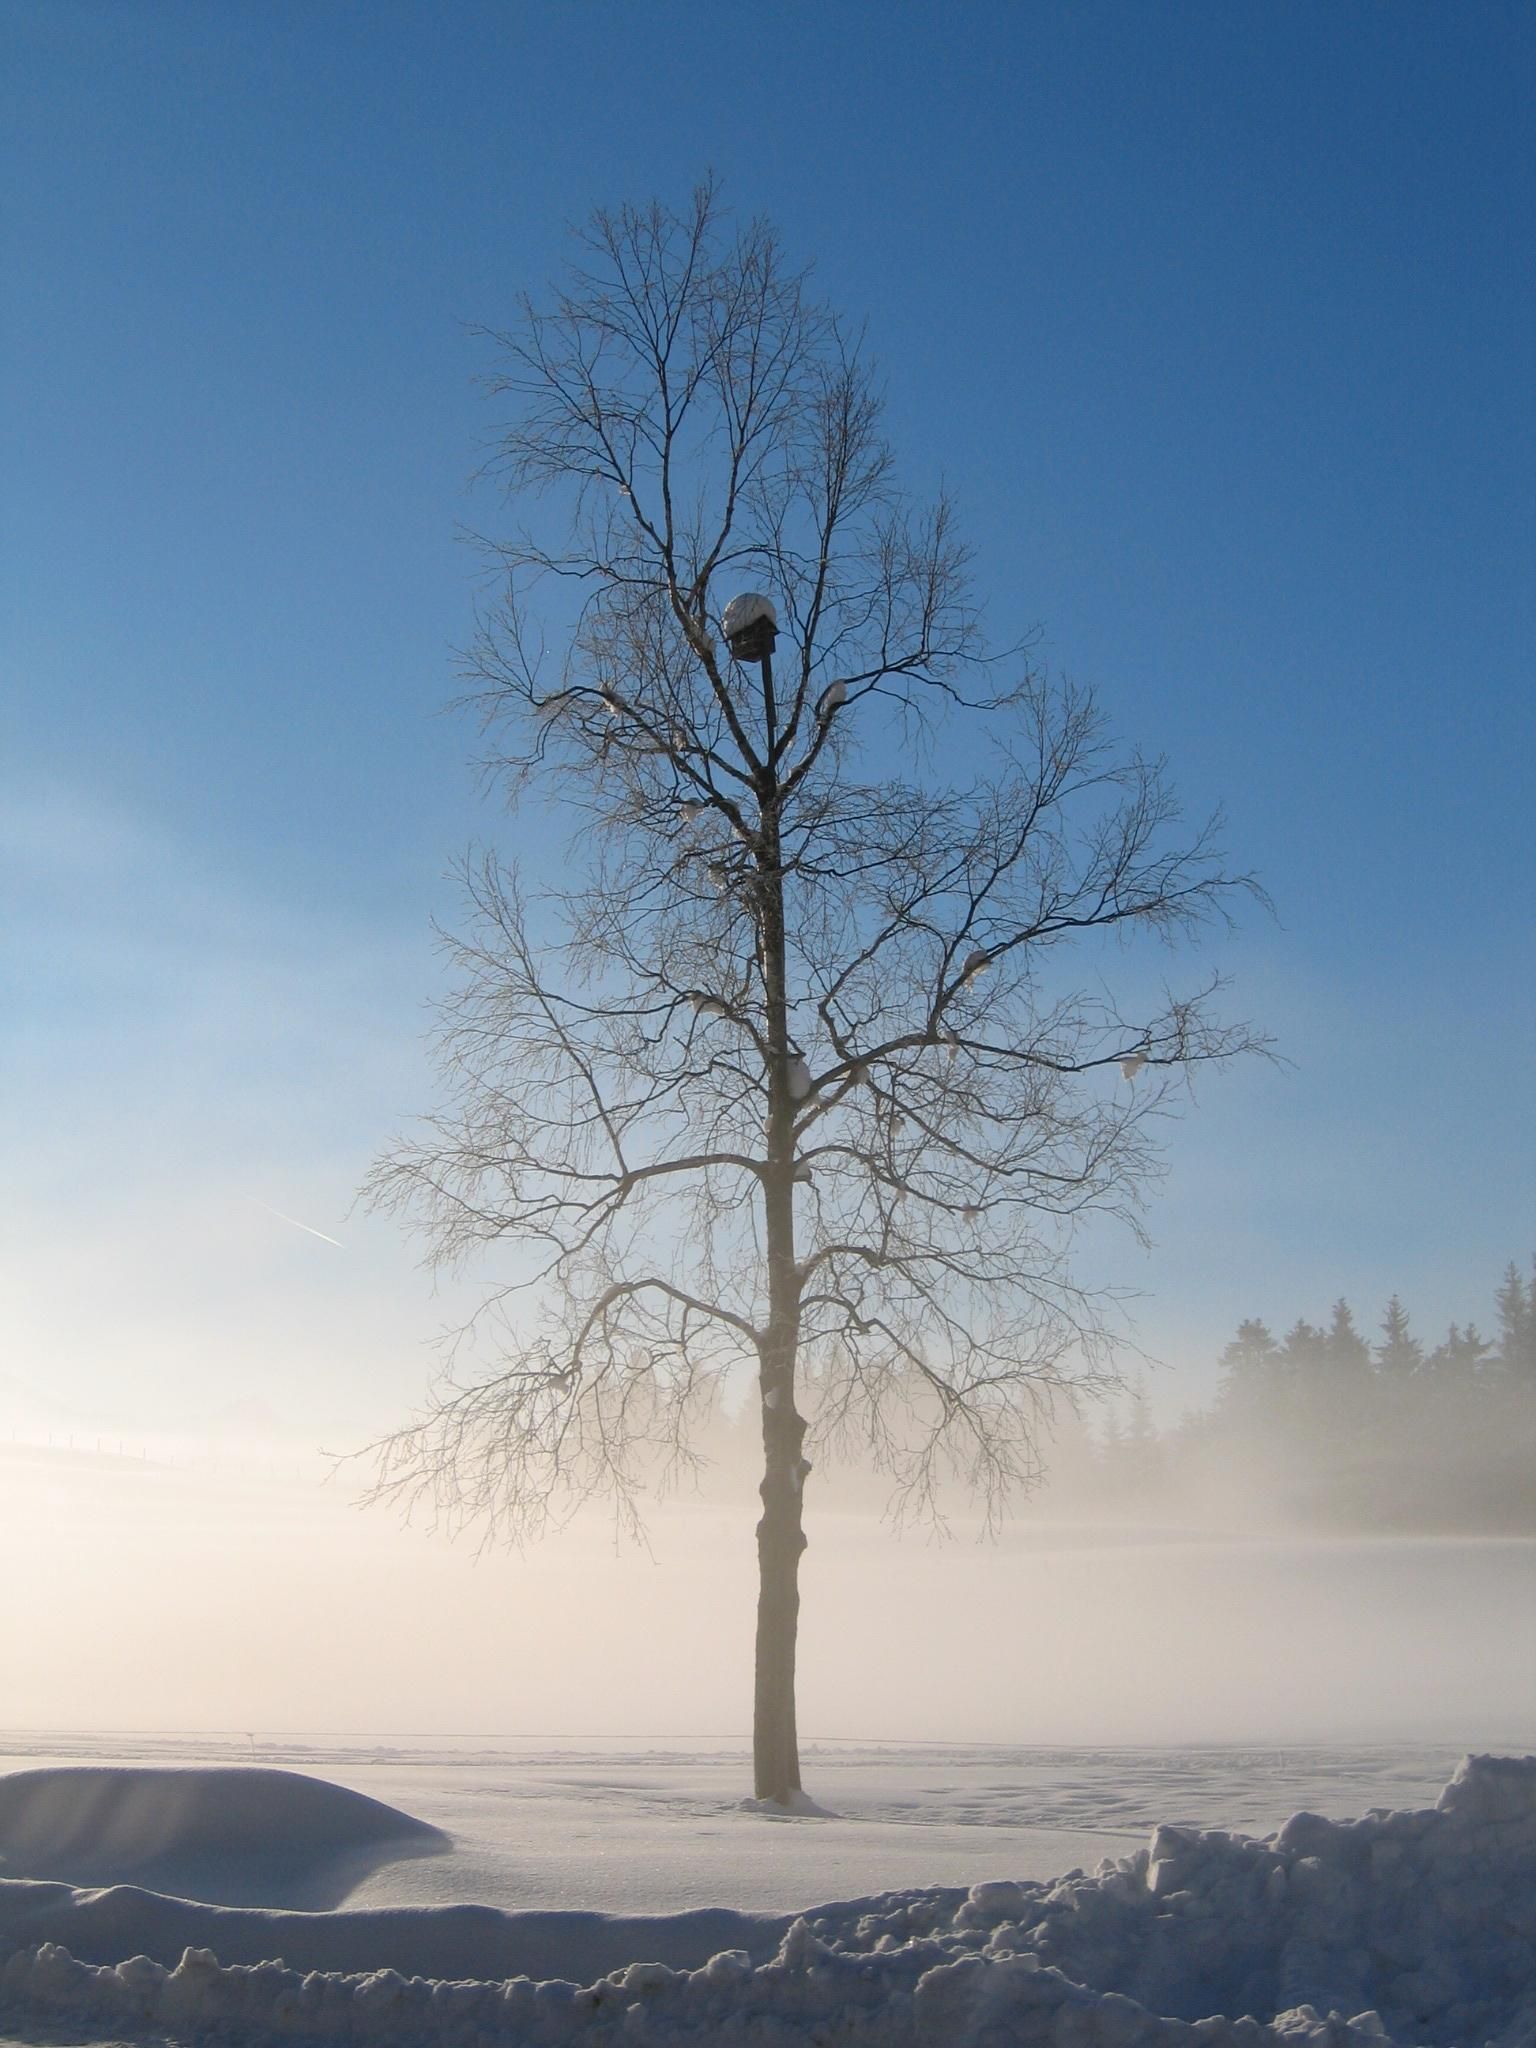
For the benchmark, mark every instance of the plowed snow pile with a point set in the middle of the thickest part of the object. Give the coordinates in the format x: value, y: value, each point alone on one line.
x: 1415, y: 1928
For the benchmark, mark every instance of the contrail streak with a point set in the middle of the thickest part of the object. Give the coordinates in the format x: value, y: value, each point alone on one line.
x: 296, y: 1223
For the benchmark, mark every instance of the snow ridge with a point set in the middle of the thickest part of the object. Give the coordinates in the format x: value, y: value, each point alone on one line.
x: 1410, y: 1928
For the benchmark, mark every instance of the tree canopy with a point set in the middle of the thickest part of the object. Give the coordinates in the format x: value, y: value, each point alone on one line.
x: 784, y: 1063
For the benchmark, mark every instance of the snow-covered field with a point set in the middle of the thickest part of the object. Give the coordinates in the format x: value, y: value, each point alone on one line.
x: 658, y: 1826
x: 633, y: 1869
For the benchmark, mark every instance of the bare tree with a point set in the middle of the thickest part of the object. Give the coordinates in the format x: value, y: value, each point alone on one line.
x: 788, y: 1071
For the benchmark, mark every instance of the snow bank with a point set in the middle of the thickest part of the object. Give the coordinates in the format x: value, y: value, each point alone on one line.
x: 243, y: 1836
x: 1415, y: 1928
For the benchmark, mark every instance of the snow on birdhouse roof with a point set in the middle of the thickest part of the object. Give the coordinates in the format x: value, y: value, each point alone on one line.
x: 745, y: 611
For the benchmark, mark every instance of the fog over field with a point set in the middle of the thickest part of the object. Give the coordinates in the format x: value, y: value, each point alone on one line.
x: 199, y: 1592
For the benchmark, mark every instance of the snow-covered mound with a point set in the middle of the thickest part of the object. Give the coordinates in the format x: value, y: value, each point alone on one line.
x: 420, y: 1941
x: 235, y: 1836
x: 1415, y: 1928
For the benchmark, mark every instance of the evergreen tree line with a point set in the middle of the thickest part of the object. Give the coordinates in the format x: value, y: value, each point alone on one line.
x: 1329, y: 1428
x: 1323, y: 1428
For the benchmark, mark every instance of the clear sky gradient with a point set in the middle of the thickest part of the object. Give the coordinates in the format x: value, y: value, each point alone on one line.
x: 1219, y: 321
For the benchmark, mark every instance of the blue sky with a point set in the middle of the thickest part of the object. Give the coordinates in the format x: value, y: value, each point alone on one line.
x: 1219, y: 320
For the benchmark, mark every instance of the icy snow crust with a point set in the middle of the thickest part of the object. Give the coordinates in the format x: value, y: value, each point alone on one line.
x: 1407, y: 1927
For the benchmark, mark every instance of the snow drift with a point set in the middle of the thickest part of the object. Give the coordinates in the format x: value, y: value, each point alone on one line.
x: 1407, y: 1927
x: 233, y: 1836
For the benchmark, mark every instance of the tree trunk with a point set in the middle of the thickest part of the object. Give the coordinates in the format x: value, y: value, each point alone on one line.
x: 780, y: 1531
x: 780, y: 1540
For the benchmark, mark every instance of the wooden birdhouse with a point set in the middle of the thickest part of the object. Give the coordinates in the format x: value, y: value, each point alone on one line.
x: 751, y: 626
